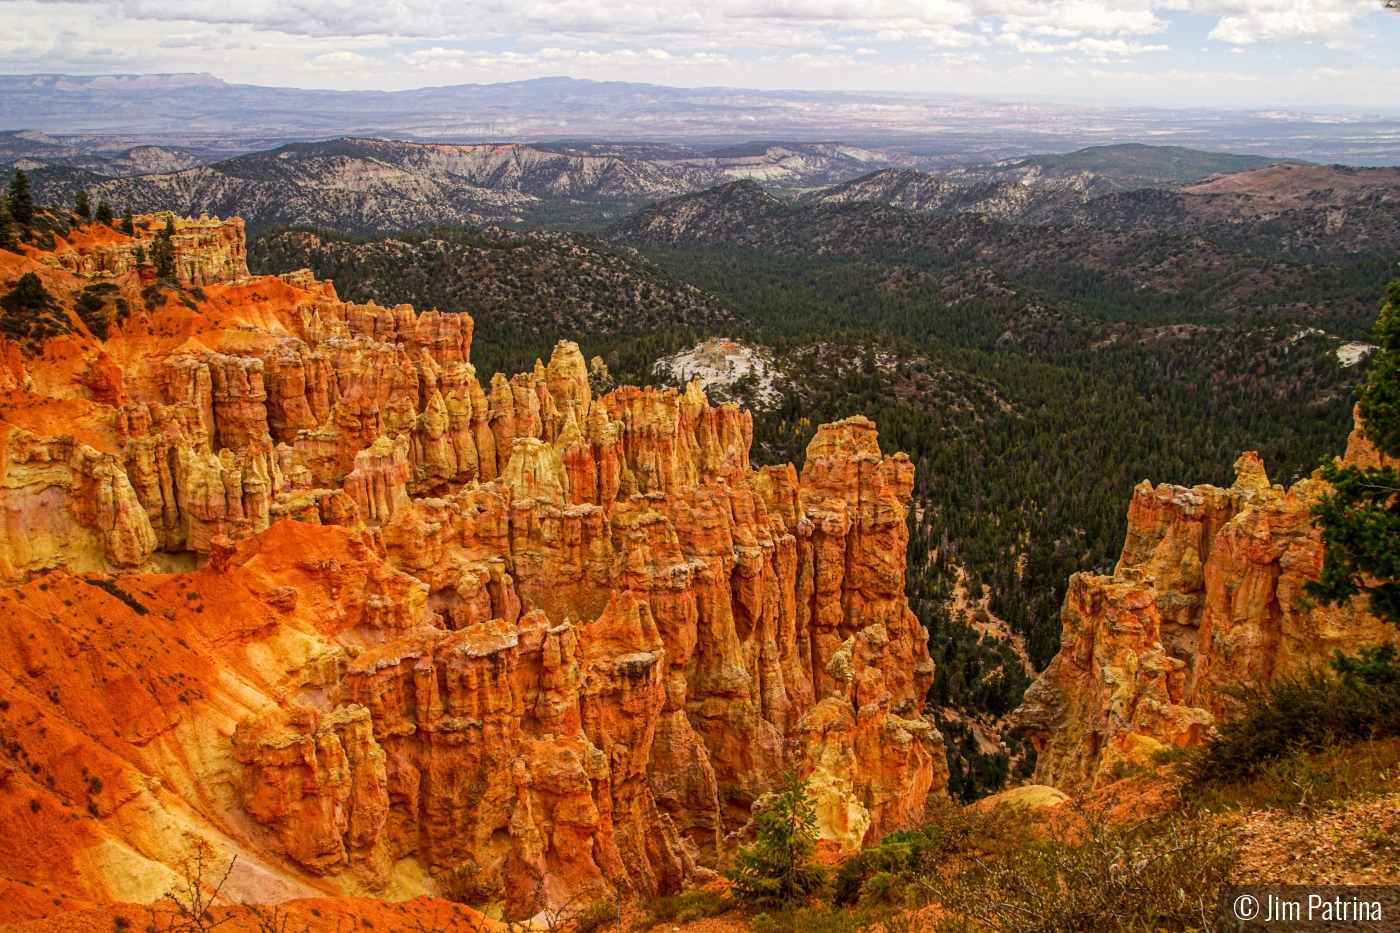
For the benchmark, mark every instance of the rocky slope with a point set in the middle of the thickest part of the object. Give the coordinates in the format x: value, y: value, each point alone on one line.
x: 1207, y: 594
x: 367, y: 186
x: 926, y: 193
x: 514, y: 641
x: 1308, y: 212
x: 1100, y: 170
x: 28, y: 150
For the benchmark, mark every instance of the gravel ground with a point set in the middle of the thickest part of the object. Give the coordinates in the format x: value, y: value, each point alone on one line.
x: 1355, y: 843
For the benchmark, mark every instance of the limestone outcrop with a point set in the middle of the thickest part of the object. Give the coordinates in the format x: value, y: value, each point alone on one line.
x: 376, y: 626
x: 1207, y: 594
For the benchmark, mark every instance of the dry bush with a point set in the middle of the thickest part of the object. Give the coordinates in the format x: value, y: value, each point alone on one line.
x: 1090, y: 875
x: 190, y: 901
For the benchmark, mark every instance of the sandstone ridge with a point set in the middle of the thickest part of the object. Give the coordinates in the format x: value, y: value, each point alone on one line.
x: 289, y: 583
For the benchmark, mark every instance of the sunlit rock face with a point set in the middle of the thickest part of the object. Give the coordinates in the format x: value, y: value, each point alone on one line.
x: 286, y: 578
x: 1208, y: 594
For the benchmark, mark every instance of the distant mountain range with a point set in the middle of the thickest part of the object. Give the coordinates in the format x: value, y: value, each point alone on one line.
x: 366, y: 186
x: 214, y: 120
x: 370, y: 187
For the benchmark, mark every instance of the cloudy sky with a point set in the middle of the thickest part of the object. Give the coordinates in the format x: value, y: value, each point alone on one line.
x: 1337, y: 54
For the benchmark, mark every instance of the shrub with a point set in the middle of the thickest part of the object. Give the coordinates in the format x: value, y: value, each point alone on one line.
x: 691, y: 905
x: 599, y: 918
x: 1361, y: 701
x: 1092, y: 876
x: 28, y: 294
x: 898, y: 854
x: 812, y: 920
x: 1305, y: 779
x: 777, y: 869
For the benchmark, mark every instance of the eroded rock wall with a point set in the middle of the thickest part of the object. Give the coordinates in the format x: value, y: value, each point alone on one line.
x: 506, y: 638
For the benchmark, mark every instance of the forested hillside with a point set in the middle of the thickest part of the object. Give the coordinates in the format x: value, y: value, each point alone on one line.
x: 526, y: 291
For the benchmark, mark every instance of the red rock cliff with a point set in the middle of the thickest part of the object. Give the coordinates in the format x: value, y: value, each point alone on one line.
x: 518, y: 640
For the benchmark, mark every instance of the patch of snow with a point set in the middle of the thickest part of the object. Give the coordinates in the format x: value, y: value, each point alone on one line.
x: 1349, y: 354
x: 722, y: 363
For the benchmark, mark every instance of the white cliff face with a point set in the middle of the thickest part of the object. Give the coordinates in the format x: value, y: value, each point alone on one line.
x: 723, y: 364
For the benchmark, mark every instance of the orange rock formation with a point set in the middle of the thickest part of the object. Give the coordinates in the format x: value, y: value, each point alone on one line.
x: 207, y: 252
x: 1207, y: 594
x: 515, y: 642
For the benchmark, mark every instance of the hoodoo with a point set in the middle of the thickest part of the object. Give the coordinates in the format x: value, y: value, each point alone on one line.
x: 1208, y: 594
x: 287, y: 581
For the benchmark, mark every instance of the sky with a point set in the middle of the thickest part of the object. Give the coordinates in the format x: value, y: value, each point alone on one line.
x: 1316, y: 54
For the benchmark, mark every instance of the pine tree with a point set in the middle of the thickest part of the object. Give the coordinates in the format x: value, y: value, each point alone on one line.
x: 128, y: 222
x: 163, y: 252
x: 1360, y: 518
x: 21, y: 199
x: 29, y: 294
x: 82, y: 207
x: 7, y: 225
x: 777, y: 869
x: 104, y: 213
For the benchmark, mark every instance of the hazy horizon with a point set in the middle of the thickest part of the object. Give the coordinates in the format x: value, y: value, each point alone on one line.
x: 1229, y: 54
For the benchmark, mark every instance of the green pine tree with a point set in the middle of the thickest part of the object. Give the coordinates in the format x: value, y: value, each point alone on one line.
x: 104, y: 213
x: 128, y: 222
x: 163, y: 252
x: 21, y: 199
x: 777, y: 870
x: 7, y: 225
x: 82, y: 207
x: 28, y: 294
x: 1360, y: 518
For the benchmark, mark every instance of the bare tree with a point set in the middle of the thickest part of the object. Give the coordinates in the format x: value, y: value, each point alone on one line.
x: 193, y: 895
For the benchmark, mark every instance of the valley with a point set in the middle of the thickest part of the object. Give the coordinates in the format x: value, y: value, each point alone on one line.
x: 1034, y: 374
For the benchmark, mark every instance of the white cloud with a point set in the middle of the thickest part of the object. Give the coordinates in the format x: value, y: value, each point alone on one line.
x: 1246, y: 21
x: 338, y: 60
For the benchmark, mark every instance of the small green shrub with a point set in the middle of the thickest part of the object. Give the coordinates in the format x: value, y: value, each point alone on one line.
x: 599, y: 918
x: 694, y: 904
x: 809, y: 920
x: 898, y: 854
x: 1305, y: 779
